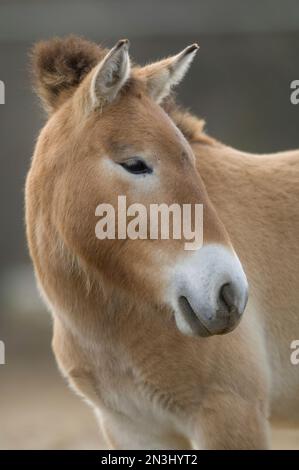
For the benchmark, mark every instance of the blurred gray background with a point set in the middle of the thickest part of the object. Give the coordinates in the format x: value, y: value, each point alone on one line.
x: 239, y: 82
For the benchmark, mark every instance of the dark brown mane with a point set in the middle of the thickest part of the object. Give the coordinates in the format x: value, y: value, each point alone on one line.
x: 59, y: 65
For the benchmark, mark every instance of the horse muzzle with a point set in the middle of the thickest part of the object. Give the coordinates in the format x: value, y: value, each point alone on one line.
x: 211, y: 292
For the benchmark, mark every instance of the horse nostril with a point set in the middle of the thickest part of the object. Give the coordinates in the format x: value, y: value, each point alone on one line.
x: 227, y: 297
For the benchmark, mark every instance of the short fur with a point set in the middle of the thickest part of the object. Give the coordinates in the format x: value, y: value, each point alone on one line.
x: 114, y: 338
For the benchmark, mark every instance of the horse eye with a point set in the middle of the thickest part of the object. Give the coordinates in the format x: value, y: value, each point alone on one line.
x: 136, y: 166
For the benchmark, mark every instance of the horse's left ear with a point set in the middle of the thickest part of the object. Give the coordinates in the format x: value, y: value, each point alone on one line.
x: 161, y: 76
x: 109, y: 76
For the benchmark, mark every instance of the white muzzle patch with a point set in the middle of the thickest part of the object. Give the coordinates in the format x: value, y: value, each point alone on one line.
x: 209, y: 291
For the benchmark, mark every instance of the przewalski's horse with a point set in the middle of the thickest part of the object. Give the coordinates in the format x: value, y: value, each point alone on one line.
x: 114, y: 301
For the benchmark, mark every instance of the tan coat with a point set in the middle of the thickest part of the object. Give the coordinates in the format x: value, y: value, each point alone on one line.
x: 115, y: 337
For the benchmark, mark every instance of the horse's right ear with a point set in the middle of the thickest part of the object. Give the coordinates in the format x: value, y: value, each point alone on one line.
x: 110, y: 75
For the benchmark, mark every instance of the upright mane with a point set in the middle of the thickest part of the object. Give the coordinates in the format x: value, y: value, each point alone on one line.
x: 59, y: 65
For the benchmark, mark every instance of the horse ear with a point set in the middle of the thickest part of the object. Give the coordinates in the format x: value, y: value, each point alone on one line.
x: 110, y: 74
x: 161, y: 76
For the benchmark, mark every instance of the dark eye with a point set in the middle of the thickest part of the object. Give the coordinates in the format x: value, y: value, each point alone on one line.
x: 136, y: 166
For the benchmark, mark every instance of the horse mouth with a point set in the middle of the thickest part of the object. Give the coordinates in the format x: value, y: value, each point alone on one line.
x: 194, y: 322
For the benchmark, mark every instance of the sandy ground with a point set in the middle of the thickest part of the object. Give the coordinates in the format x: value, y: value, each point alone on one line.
x: 38, y: 411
